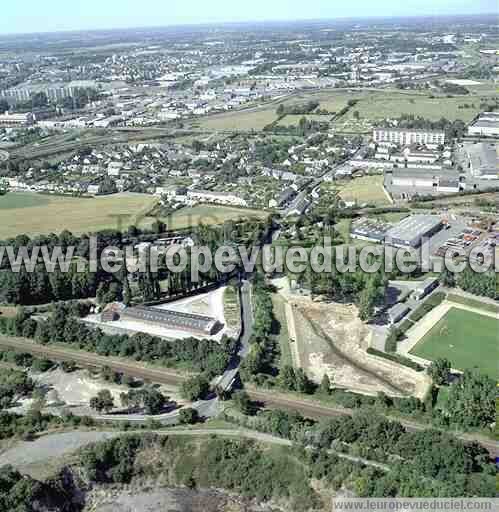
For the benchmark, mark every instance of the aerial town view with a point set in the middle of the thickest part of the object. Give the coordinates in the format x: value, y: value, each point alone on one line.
x: 249, y: 256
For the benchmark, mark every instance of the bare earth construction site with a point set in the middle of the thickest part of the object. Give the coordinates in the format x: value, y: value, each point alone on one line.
x: 331, y: 339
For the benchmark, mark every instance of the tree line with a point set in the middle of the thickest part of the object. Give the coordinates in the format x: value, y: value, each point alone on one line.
x: 63, y: 325
x: 422, y: 463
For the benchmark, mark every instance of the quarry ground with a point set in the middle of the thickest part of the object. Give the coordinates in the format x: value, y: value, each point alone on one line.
x: 73, y: 391
x: 332, y: 340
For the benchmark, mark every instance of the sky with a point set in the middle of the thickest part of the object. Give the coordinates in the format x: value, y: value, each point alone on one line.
x: 23, y: 16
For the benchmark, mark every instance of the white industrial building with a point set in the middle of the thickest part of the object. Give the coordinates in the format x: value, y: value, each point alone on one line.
x: 410, y: 231
x: 16, y: 119
x: 485, y: 125
x: 483, y: 159
x: 210, y: 196
x: 406, y: 137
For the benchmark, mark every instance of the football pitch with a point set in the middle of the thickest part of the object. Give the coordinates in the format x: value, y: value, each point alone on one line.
x: 466, y: 339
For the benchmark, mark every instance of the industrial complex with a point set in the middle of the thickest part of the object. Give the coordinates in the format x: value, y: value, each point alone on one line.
x: 409, y: 232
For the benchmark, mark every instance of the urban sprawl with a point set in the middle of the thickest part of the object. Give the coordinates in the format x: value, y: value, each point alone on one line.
x: 243, y: 140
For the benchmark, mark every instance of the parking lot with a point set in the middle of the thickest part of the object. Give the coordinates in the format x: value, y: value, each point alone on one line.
x: 461, y: 239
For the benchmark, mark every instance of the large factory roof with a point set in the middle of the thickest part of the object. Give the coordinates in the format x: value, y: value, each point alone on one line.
x: 172, y: 319
x: 413, y: 227
x: 484, y: 157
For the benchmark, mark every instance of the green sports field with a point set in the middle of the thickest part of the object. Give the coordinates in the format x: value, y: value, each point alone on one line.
x: 368, y: 189
x: 467, y: 339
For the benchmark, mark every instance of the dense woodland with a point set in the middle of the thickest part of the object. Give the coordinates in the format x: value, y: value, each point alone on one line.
x: 32, y: 283
x: 453, y: 129
x: 427, y: 463
x: 423, y: 463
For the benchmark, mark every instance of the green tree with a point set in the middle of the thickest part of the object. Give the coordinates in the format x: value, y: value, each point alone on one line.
x: 303, y: 383
x: 392, y: 339
x: 242, y: 402
x: 472, y: 400
x: 287, y: 378
x: 439, y: 371
x: 188, y: 416
x: 154, y: 401
x: 325, y: 386
x: 195, y: 388
x: 103, y: 401
x: 367, y: 300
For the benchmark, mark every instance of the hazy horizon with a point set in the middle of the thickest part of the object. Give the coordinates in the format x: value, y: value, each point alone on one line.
x: 41, y: 17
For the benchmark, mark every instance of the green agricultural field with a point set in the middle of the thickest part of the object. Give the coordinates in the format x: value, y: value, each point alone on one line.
x: 372, y: 105
x: 294, y: 120
x: 240, y: 120
x: 331, y: 100
x: 35, y: 214
x: 392, y: 104
x: 467, y: 339
x: 209, y: 215
x: 368, y: 189
x: 15, y: 201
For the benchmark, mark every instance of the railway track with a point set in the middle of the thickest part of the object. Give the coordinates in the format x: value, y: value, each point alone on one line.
x: 87, y: 360
x: 165, y: 376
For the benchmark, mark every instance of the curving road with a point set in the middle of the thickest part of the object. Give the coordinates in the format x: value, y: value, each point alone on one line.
x: 48, y: 447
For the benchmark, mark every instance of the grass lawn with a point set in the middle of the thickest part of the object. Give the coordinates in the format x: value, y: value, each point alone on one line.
x: 232, y: 309
x: 467, y: 339
x: 239, y: 120
x: 35, y: 214
x: 393, y: 104
x: 473, y: 303
x: 368, y: 189
x: 283, y: 335
x: 210, y: 215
